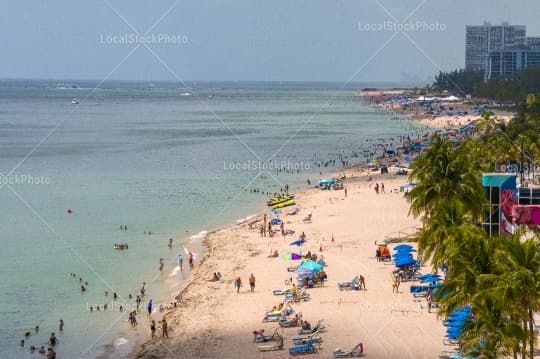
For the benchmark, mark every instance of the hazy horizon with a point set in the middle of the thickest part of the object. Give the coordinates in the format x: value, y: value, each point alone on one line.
x: 378, y: 41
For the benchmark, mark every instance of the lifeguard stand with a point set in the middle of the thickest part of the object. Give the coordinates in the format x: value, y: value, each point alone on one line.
x: 500, y: 190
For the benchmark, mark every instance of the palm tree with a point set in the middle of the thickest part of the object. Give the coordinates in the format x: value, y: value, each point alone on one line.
x: 446, y: 171
x: 519, y: 268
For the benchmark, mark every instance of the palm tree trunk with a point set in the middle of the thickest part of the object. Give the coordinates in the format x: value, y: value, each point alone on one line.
x: 531, y: 333
x: 524, y: 342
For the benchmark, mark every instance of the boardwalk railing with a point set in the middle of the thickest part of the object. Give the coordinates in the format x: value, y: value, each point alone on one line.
x: 402, y: 235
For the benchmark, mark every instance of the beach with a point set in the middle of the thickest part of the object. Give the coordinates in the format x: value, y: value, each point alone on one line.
x: 214, y: 321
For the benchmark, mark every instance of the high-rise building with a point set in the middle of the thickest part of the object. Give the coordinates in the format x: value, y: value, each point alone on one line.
x: 480, y: 40
x: 500, y: 50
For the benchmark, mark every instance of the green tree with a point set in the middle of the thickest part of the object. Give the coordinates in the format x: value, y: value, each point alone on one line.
x: 446, y: 171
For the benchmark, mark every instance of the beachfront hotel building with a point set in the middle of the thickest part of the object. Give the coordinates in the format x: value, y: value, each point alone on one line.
x: 500, y: 50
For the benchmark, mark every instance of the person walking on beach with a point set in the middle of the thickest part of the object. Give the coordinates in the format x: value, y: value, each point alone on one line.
x: 153, y: 329
x: 382, y: 187
x: 376, y: 188
x: 238, y: 284
x: 395, y: 284
x: 190, y: 260
x: 164, y: 329
x: 252, y: 282
x: 345, y: 191
x: 181, y: 261
x: 149, y: 307
x: 362, y: 282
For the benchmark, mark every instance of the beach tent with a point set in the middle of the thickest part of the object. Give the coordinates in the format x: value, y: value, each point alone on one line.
x: 450, y: 99
x: 326, y: 182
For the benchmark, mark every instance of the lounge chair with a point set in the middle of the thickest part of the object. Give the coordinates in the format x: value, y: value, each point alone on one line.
x: 303, y: 340
x: 277, y: 345
x: 319, y: 327
x: 291, y: 322
x: 259, y: 337
x: 353, y: 284
x: 357, y: 351
x: 303, y: 349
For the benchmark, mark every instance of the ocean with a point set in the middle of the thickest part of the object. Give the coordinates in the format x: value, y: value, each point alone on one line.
x: 160, y: 158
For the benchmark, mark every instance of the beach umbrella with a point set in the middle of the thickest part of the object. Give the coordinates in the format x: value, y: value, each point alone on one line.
x: 292, y: 256
x: 311, y: 265
x: 298, y: 242
x: 403, y: 247
x: 405, y: 262
x: 405, y: 250
x: 429, y: 280
x: 275, y: 221
x: 275, y: 211
x: 429, y: 275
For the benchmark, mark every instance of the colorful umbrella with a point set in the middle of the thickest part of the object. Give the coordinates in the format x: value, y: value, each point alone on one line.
x: 311, y: 265
x: 292, y: 256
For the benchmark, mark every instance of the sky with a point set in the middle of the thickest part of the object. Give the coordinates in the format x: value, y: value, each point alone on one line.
x: 245, y: 40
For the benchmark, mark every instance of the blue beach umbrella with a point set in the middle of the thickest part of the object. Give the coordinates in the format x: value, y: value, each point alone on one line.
x: 298, y: 242
x: 275, y: 211
x: 403, y: 247
x: 275, y: 221
x: 405, y: 262
x: 311, y: 265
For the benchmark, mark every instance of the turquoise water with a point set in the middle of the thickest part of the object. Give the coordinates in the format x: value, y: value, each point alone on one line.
x: 155, y: 157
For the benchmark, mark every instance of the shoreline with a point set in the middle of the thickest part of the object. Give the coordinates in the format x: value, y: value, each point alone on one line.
x: 196, y: 292
x: 205, y: 301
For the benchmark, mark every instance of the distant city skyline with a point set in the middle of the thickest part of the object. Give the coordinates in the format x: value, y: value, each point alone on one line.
x: 371, y: 41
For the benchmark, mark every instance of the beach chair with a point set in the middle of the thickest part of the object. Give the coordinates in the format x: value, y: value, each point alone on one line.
x: 307, y: 348
x: 353, y: 284
x: 259, y: 337
x: 319, y: 327
x: 277, y: 345
x: 357, y: 351
x: 291, y: 322
x: 303, y: 340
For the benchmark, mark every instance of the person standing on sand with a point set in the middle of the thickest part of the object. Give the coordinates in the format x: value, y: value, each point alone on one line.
x: 165, y: 329
x: 238, y: 284
x: 180, y: 261
x: 252, y: 282
x: 376, y: 188
x: 149, y: 307
x: 153, y: 329
x: 190, y: 260
x: 395, y: 284
x: 382, y: 187
x: 362, y: 282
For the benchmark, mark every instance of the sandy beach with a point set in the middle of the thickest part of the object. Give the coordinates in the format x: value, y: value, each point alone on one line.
x: 214, y: 321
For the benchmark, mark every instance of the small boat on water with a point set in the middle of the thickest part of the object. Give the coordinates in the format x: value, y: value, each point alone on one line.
x: 75, y: 101
x: 279, y: 199
x: 120, y: 246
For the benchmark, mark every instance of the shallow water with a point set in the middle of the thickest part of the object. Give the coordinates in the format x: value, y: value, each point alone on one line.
x: 145, y: 156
